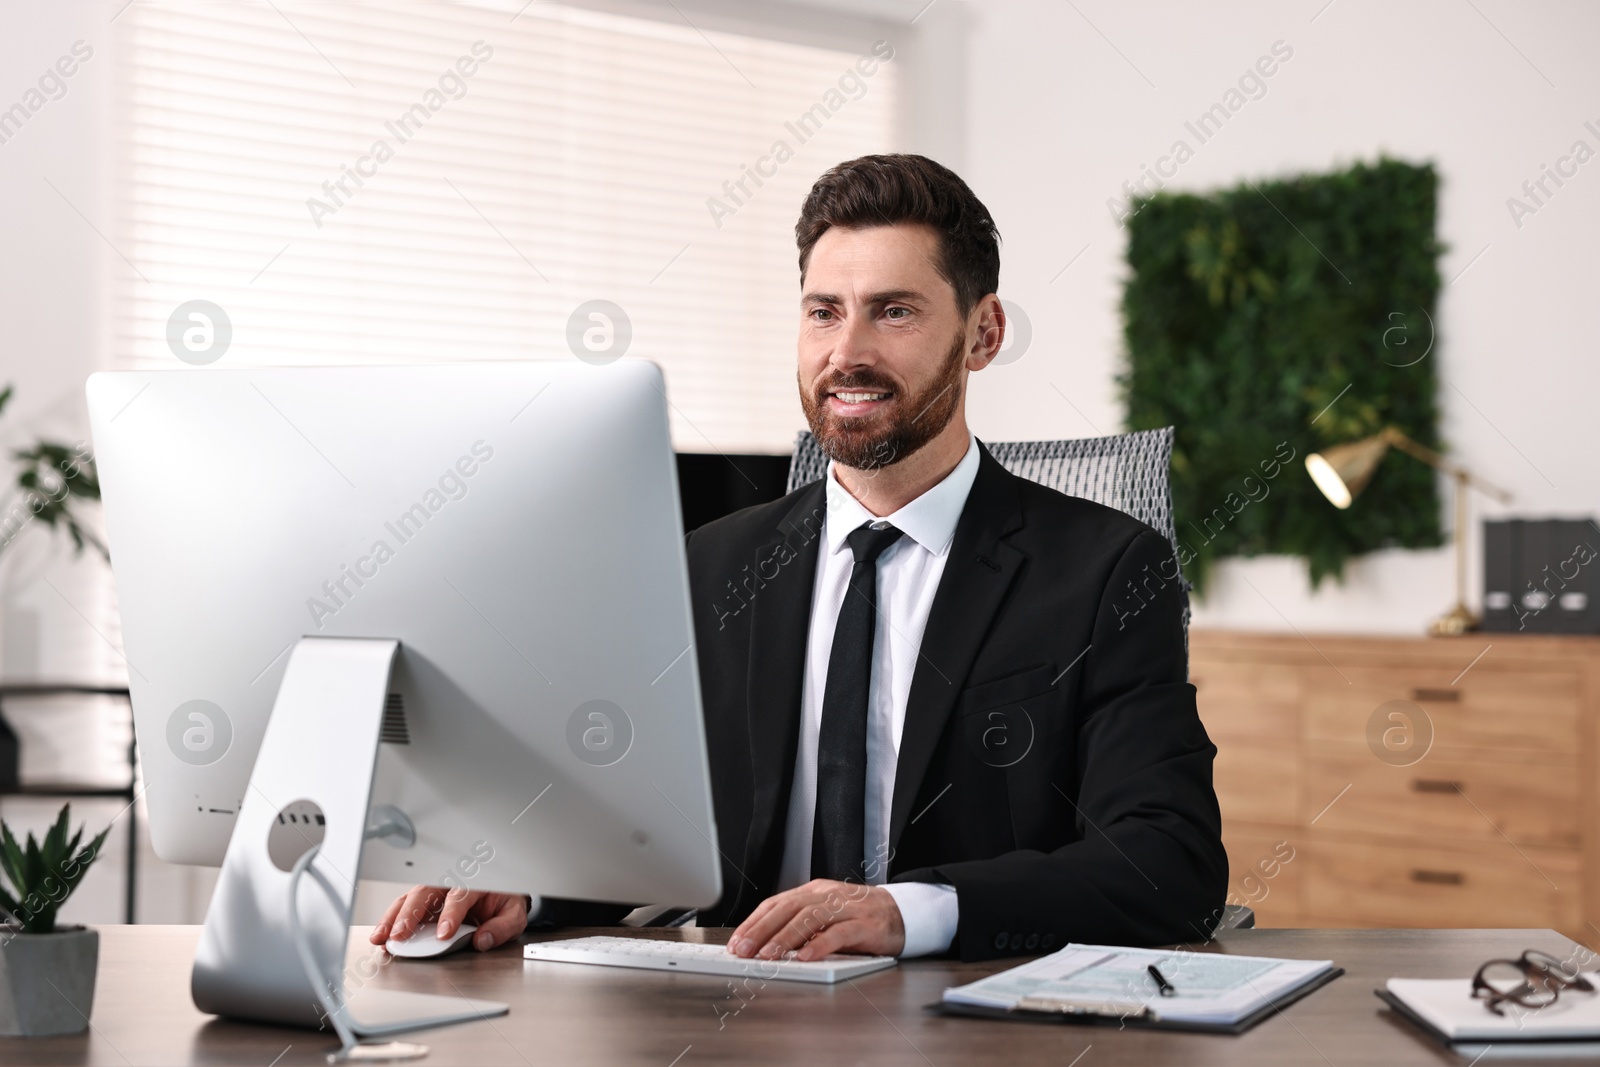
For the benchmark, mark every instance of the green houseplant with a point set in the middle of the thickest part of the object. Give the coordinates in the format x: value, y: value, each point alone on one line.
x: 47, y: 972
x: 52, y: 481
x: 1275, y: 319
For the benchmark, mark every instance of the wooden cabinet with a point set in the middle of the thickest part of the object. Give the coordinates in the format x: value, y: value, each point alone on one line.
x: 1390, y: 781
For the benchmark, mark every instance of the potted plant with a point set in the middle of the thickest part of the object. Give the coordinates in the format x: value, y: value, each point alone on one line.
x: 46, y: 972
x: 53, y: 481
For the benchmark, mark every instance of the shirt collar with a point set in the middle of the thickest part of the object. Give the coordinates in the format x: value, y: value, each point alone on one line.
x: 929, y: 520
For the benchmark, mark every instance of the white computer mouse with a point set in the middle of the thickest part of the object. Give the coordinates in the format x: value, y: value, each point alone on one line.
x: 425, y: 942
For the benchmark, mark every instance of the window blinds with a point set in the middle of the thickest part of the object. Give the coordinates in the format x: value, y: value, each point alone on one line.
x: 419, y: 182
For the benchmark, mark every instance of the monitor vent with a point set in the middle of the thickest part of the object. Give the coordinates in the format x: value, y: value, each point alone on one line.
x: 394, y: 721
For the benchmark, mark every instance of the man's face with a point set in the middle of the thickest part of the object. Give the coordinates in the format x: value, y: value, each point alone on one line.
x: 883, y: 349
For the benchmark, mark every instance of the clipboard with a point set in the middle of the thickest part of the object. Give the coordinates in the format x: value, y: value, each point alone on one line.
x: 1144, y: 1019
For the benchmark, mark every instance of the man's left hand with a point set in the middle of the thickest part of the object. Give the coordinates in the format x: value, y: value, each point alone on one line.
x: 820, y: 918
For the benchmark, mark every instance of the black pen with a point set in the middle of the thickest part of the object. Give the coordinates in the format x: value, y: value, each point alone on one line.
x: 1161, y: 982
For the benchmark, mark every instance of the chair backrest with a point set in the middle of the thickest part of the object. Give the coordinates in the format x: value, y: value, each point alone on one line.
x: 1127, y: 471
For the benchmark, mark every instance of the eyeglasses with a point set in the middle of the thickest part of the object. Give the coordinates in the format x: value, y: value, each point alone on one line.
x: 1534, y: 980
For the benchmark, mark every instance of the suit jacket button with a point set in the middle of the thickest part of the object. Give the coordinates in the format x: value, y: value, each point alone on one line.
x: 1032, y: 942
x: 1048, y: 942
x: 1016, y: 941
x: 1000, y: 940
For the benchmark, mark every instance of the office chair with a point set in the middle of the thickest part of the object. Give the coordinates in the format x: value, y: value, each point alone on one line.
x: 1126, y: 471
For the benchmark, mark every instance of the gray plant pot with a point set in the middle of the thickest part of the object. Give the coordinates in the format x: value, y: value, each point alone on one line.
x: 47, y: 981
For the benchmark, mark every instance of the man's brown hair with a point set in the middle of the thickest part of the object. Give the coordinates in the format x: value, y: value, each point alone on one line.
x: 885, y: 190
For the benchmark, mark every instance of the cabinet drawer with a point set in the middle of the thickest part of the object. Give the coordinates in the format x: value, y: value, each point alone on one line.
x: 1403, y: 884
x: 1247, y: 700
x: 1526, y: 710
x: 1533, y: 801
x: 1256, y: 782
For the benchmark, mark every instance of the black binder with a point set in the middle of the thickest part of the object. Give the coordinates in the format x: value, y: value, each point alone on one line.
x: 1541, y: 576
x: 1501, y: 545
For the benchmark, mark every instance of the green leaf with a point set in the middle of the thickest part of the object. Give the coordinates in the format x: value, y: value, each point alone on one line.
x: 54, y: 478
x: 45, y: 874
x: 81, y: 862
x: 11, y: 860
x: 42, y: 922
x: 55, y: 839
x: 32, y: 868
x: 93, y: 849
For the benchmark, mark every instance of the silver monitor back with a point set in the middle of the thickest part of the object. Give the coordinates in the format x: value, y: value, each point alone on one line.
x: 514, y: 525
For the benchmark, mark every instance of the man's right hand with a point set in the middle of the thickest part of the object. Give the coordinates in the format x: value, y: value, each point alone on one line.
x: 499, y: 917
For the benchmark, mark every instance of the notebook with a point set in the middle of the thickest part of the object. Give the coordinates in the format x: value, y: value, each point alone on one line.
x: 1446, y: 1008
x: 1209, y: 990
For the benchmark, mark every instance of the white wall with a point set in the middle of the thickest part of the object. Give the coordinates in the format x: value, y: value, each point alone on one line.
x: 1062, y: 107
x: 53, y: 326
x: 56, y: 620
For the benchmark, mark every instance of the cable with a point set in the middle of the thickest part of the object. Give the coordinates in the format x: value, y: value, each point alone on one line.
x: 332, y: 1009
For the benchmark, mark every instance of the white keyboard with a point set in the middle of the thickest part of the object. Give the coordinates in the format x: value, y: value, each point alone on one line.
x: 653, y: 955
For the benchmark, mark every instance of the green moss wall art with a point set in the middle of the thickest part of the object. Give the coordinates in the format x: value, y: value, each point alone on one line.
x: 1272, y: 320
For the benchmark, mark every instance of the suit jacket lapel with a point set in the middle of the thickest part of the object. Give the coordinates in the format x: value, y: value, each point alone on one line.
x: 979, y: 571
x: 780, y: 625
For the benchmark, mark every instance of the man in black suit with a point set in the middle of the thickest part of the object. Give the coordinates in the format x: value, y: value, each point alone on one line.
x: 946, y: 707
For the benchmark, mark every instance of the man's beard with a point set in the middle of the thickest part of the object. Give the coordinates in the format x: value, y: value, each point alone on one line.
x: 874, y: 441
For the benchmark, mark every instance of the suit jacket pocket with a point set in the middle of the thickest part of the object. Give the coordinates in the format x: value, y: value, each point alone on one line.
x: 1000, y: 721
x: 1011, y: 689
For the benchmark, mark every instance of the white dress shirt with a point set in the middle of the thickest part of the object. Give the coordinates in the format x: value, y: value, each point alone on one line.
x: 908, y: 576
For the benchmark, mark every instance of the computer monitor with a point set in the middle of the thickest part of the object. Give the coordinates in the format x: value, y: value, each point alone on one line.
x: 490, y: 553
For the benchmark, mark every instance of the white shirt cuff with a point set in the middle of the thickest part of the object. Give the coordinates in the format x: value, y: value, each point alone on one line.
x: 929, y: 913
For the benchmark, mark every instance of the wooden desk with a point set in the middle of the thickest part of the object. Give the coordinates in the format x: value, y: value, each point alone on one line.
x: 579, y: 1016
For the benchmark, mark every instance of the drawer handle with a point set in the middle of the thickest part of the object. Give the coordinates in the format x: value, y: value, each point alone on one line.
x: 1435, y: 785
x: 1437, y: 696
x: 1438, y: 877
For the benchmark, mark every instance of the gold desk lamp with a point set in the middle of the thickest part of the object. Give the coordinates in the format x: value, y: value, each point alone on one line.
x: 1341, y: 472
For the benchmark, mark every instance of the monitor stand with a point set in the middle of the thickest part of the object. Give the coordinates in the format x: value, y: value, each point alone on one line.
x: 311, y: 787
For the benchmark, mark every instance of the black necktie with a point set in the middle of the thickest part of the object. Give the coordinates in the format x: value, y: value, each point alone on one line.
x: 837, y: 849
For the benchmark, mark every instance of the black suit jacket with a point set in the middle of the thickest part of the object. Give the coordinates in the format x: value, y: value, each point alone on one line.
x: 1052, y: 767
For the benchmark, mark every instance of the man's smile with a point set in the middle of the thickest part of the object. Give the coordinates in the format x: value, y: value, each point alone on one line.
x: 852, y: 403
